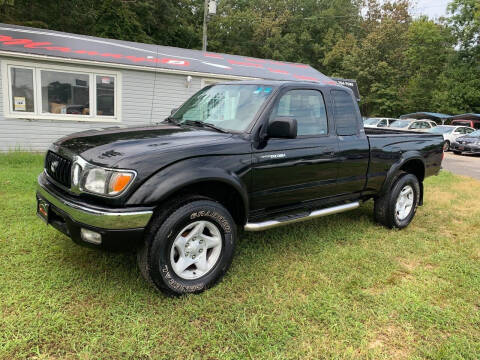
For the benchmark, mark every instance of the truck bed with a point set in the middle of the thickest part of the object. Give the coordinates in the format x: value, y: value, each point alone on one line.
x: 388, y: 146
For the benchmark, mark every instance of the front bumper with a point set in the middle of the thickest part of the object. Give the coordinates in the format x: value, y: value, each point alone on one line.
x: 467, y: 148
x: 116, y: 226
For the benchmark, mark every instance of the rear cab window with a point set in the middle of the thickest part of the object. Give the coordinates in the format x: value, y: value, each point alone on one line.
x: 345, y: 113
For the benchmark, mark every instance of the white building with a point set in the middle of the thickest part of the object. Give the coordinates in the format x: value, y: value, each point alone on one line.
x: 54, y: 83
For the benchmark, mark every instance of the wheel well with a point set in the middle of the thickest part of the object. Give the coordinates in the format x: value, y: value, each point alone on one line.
x: 219, y: 191
x: 415, y: 167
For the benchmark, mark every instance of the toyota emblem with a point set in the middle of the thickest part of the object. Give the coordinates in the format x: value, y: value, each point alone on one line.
x: 53, y: 166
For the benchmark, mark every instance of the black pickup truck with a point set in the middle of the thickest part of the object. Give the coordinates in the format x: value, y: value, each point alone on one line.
x: 236, y: 156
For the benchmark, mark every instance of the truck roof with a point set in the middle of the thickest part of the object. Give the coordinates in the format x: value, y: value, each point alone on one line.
x: 282, y: 83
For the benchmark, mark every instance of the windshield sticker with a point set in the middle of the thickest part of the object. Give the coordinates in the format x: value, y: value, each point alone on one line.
x: 258, y: 91
x: 267, y: 90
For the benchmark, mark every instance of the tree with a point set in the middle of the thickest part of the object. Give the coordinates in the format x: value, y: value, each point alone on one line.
x: 458, y: 89
x: 290, y: 30
x: 465, y: 23
x: 116, y: 21
x: 429, y: 48
x: 377, y: 59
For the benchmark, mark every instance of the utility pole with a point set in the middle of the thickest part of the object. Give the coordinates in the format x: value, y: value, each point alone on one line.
x: 205, y: 16
x: 209, y: 9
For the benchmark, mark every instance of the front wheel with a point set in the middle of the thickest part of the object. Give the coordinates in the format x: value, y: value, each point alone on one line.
x: 398, y: 206
x: 457, y: 152
x: 191, y: 250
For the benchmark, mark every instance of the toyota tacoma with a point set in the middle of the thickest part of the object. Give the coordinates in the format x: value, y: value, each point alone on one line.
x: 235, y: 156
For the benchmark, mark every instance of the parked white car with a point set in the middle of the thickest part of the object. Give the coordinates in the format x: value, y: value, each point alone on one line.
x: 451, y: 133
x: 378, y: 122
x: 413, y: 125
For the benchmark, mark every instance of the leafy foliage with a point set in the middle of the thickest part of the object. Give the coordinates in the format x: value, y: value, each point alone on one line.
x: 402, y: 64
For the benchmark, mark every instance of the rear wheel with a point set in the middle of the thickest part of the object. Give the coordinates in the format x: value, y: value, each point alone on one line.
x: 457, y: 152
x: 190, y: 250
x: 398, y: 206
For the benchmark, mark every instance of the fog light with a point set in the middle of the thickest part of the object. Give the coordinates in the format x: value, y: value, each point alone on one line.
x: 91, y: 236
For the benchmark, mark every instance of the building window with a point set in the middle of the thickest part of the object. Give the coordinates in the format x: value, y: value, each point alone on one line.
x: 65, y: 93
x: 105, y: 95
x: 22, y: 97
x: 62, y: 93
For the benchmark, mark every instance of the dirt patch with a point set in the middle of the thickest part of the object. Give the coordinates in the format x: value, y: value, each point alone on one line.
x: 399, y: 276
x: 429, y: 266
x: 476, y: 254
x: 374, y: 290
x: 391, y: 341
x: 408, y: 264
x: 442, y: 197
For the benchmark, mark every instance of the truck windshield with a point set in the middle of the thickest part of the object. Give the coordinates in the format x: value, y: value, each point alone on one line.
x: 227, y: 107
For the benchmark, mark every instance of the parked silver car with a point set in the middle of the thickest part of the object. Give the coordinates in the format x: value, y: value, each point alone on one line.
x: 451, y: 133
x: 378, y: 122
x: 413, y: 125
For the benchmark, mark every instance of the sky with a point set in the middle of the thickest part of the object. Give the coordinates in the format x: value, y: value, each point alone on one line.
x: 431, y: 8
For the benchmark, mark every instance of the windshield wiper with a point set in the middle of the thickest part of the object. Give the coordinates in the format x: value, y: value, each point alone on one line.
x: 171, y: 120
x: 203, y: 124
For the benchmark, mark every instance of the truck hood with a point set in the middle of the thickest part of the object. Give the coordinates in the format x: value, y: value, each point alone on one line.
x: 107, y: 147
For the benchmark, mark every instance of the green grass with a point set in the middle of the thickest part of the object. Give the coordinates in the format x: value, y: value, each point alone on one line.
x: 337, y: 287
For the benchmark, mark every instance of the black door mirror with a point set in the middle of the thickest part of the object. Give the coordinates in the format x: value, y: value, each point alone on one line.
x: 282, y: 127
x: 174, y: 110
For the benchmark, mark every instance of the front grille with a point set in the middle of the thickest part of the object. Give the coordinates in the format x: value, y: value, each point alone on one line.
x: 58, y: 168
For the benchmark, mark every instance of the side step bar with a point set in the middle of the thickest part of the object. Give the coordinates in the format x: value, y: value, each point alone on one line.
x: 265, y: 225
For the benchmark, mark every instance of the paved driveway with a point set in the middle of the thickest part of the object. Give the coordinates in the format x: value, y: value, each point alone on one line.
x: 468, y: 165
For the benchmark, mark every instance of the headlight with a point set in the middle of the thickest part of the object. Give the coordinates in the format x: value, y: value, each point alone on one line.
x: 99, y: 180
x: 96, y: 180
x: 106, y: 182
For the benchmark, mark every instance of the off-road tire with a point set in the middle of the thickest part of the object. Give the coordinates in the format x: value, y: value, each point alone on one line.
x: 153, y: 257
x: 385, y: 205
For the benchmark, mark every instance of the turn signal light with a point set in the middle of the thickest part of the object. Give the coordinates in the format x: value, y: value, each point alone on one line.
x: 118, y: 182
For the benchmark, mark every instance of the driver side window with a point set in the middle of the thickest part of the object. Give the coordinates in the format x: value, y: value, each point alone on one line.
x: 307, y: 107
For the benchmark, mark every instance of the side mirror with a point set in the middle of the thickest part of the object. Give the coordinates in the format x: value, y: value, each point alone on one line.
x: 282, y: 127
x: 174, y: 110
